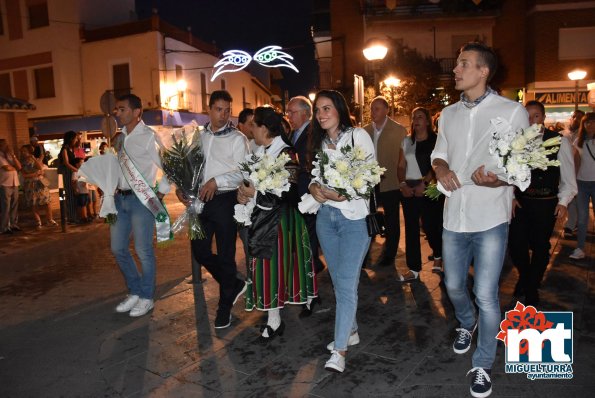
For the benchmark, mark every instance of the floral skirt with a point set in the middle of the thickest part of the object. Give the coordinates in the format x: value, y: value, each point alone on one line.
x: 36, y: 192
x: 288, y: 277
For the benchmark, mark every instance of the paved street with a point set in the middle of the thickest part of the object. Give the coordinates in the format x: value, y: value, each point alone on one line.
x: 60, y: 336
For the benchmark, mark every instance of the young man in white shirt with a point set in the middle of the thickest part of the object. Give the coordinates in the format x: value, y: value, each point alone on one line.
x: 477, y: 213
x: 224, y: 147
x: 134, y: 219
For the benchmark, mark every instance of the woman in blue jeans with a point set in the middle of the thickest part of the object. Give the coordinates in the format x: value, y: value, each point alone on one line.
x: 340, y: 223
x: 584, y: 160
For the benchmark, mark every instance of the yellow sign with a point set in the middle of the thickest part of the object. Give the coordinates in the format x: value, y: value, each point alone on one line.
x: 561, y: 98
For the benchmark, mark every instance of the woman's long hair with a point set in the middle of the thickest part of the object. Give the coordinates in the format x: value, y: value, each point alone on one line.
x: 69, y: 137
x: 582, y: 130
x: 318, y: 133
x: 430, y: 127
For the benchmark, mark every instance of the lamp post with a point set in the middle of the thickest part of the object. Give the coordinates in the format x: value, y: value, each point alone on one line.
x: 375, y: 51
x: 576, y: 75
x: 392, y: 82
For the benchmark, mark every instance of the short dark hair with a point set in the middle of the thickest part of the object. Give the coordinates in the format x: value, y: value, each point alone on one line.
x: 537, y: 104
x: 133, y: 100
x: 219, y: 95
x: 243, y: 116
x: 487, y: 56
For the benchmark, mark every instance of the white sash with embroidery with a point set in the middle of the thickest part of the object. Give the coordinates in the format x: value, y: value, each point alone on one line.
x: 144, y: 192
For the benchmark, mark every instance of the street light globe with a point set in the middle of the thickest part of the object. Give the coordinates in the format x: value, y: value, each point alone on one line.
x: 577, y: 74
x: 392, y: 81
x: 375, y: 51
x: 312, y: 96
x: 181, y: 85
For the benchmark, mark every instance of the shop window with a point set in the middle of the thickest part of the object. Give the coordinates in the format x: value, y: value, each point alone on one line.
x: 5, y: 87
x: 38, y: 13
x: 121, y: 76
x: 44, y: 82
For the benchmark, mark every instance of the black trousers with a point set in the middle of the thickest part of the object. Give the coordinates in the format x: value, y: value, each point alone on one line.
x: 531, y: 229
x: 390, y: 200
x: 217, y: 219
x: 430, y: 212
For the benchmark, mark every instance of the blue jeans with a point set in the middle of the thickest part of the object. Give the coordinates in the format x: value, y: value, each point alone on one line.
x: 344, y: 243
x: 134, y: 219
x: 487, y: 249
x: 586, y: 192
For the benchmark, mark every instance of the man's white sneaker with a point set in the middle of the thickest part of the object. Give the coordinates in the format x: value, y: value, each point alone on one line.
x: 142, y: 307
x: 336, y: 363
x: 577, y: 254
x: 127, y: 304
x: 353, y: 340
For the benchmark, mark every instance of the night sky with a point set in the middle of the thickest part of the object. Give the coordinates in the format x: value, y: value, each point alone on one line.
x: 248, y: 25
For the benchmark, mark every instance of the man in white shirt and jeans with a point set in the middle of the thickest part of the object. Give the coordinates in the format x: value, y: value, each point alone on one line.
x: 477, y: 213
x: 134, y: 218
x: 224, y: 147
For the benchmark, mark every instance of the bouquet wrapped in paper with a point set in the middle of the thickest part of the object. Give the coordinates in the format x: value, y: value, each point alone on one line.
x: 268, y: 175
x: 349, y: 171
x: 103, y: 171
x: 182, y: 161
x: 516, y: 152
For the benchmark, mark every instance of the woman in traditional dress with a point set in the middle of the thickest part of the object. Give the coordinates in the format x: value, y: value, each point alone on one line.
x: 280, y: 266
x: 340, y: 223
x: 35, y: 185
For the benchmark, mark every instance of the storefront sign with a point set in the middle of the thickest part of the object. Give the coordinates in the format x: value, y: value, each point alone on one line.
x: 560, y: 98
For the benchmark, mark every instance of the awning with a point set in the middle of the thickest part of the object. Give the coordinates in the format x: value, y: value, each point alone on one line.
x: 156, y: 117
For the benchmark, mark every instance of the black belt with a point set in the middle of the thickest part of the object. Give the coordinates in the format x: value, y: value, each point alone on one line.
x: 124, y: 192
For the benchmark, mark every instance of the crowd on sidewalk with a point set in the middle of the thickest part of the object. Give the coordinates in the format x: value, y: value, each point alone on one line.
x: 477, y: 219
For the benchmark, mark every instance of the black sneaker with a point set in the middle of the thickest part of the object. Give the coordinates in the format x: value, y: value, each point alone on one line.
x: 481, y: 383
x: 463, y: 340
x: 239, y: 290
x: 223, y: 318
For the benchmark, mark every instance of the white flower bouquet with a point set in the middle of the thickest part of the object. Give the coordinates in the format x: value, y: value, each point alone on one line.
x: 268, y: 175
x: 515, y: 154
x: 521, y: 151
x: 350, y: 171
x: 182, y: 160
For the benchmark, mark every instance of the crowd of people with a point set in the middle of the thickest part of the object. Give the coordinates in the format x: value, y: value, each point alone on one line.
x: 476, y: 222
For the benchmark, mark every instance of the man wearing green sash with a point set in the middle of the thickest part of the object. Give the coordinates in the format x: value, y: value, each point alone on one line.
x: 139, y: 207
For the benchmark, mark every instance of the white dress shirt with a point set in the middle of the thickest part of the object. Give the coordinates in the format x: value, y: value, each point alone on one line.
x: 223, y: 154
x: 378, y: 132
x: 474, y: 208
x: 142, y: 149
x: 8, y: 178
x: 354, y: 209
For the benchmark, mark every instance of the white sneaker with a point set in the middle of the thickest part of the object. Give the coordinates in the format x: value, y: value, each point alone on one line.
x: 142, y: 307
x: 353, y: 340
x: 336, y: 363
x: 127, y: 304
x: 577, y: 254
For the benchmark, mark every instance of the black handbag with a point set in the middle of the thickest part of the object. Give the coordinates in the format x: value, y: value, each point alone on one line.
x: 375, y: 221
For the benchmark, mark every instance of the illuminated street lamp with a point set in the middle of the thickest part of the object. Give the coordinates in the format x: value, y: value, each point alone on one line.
x: 392, y: 82
x: 375, y: 51
x: 312, y: 96
x: 576, y: 75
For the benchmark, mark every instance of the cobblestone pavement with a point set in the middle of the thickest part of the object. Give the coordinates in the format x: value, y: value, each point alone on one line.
x: 60, y: 336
